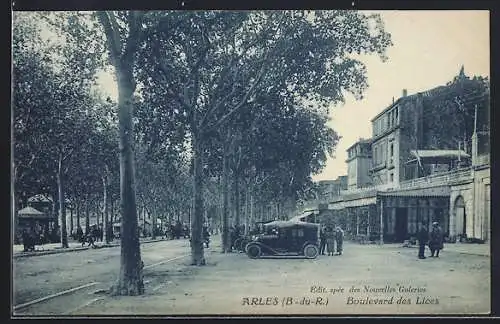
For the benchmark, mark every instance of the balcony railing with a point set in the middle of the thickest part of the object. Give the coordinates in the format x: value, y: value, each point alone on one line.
x: 438, y: 179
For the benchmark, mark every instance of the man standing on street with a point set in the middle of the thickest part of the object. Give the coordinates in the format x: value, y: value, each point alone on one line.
x: 422, y: 237
x: 322, y: 240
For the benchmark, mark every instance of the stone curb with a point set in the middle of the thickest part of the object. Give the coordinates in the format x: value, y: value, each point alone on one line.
x: 60, y: 250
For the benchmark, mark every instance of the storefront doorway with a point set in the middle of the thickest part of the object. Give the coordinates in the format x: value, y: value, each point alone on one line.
x: 460, y: 217
x: 401, y: 224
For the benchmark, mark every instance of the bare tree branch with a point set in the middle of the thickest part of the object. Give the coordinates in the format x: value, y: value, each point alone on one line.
x: 243, y: 100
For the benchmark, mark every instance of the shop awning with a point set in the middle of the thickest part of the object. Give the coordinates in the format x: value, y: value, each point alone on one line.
x: 365, y: 201
x: 360, y: 202
x: 440, y: 191
x: 436, y: 156
x: 288, y: 224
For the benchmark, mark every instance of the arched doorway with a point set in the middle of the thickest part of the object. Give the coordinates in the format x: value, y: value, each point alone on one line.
x: 460, y: 217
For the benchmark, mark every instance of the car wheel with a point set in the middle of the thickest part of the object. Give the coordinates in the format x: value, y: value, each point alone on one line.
x: 253, y: 251
x: 311, y: 251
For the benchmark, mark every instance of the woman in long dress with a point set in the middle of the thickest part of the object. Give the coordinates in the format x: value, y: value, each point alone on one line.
x: 436, y: 240
x: 339, y: 239
x: 330, y: 240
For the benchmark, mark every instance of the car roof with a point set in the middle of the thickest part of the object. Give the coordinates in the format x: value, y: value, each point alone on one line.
x: 290, y: 224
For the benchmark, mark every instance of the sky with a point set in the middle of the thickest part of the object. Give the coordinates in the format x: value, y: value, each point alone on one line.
x: 429, y: 49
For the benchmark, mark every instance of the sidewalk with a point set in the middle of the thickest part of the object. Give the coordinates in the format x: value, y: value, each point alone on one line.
x: 53, y: 248
x: 465, y: 248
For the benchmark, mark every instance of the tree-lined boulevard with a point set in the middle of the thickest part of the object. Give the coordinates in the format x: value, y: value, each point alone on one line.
x: 221, y: 116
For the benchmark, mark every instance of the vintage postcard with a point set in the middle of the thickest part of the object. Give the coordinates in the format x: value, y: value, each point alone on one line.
x: 218, y: 162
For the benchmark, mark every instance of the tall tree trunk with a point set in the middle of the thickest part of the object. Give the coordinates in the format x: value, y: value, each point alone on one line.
x: 87, y: 214
x: 62, y: 205
x: 55, y: 215
x: 197, y: 252
x: 122, y: 50
x: 237, y: 197
x: 71, y: 217
x: 225, y: 203
x: 130, y: 281
x: 247, y: 216
x: 105, y: 223
x: 77, y: 215
x: 112, y: 211
x: 251, y: 204
x: 153, y: 222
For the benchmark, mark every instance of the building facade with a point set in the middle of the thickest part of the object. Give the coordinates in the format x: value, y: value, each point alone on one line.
x: 359, y: 160
x: 420, y: 171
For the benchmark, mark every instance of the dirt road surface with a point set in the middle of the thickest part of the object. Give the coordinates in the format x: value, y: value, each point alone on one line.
x: 95, y: 270
x: 391, y: 280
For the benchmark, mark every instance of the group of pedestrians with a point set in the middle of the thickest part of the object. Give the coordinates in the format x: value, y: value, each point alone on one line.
x: 332, y: 240
x: 434, y: 240
x: 177, y: 230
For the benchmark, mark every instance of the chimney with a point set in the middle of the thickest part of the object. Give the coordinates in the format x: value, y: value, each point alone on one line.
x: 405, y: 92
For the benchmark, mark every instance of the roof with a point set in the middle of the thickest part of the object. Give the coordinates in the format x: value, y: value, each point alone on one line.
x: 391, y: 105
x: 40, y: 198
x: 30, y: 211
x: 360, y: 141
x: 290, y: 223
x: 437, y: 156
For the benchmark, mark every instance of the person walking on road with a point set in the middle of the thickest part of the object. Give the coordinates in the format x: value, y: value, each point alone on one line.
x: 322, y: 241
x: 423, y: 238
x: 79, y: 234
x: 436, y: 240
x: 206, y: 235
x: 339, y: 239
x: 330, y: 240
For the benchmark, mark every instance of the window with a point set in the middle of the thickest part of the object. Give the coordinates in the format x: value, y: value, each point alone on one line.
x: 396, y: 115
x: 392, y: 177
x: 391, y: 153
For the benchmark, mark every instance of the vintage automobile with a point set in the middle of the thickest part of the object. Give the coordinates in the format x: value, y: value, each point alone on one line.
x: 286, y: 238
